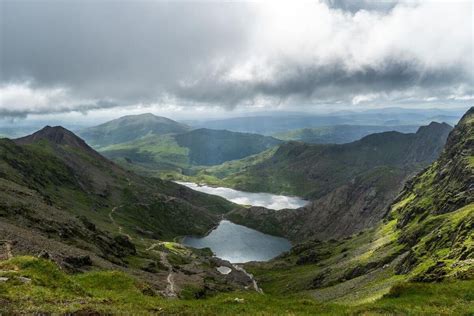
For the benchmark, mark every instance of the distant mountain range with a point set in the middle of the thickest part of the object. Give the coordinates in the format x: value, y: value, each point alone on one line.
x: 352, y: 182
x: 340, y: 134
x: 275, y: 122
x: 158, y: 146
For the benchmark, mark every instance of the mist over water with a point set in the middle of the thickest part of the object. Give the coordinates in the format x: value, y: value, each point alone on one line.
x: 239, y: 244
x: 271, y: 201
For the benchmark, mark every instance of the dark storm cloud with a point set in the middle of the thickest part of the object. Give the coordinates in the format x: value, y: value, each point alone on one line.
x: 324, y: 82
x: 357, y: 5
x: 108, y: 49
x: 59, y: 56
x: 13, y: 112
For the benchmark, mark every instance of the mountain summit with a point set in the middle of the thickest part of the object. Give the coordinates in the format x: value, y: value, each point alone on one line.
x: 56, y: 135
x: 131, y: 127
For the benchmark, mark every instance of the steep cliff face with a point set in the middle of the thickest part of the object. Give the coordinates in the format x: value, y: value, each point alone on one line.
x: 435, y: 211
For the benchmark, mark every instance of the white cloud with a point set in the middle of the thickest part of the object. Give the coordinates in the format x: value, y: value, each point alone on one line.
x: 361, y: 98
x: 431, y: 35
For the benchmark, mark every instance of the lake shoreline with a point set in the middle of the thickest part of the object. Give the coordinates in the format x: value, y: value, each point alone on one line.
x: 239, y: 244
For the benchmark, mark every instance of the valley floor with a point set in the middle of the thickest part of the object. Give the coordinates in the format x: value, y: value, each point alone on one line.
x: 35, y: 285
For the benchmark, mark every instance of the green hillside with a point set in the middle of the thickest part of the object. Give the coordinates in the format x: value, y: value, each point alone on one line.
x: 61, y: 200
x: 176, y: 154
x: 65, y: 173
x: 53, y: 291
x: 314, y: 170
x: 129, y: 128
x: 213, y: 147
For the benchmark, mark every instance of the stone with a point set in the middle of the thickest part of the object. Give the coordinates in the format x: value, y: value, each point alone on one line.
x: 44, y: 255
x: 79, y: 261
x: 24, y: 279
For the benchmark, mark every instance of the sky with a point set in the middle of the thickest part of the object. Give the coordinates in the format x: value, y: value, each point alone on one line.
x: 97, y: 59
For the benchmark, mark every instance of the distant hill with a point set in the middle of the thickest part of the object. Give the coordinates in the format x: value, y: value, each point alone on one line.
x: 129, y: 128
x: 271, y: 123
x: 212, y: 147
x: 158, y: 146
x: 339, y: 134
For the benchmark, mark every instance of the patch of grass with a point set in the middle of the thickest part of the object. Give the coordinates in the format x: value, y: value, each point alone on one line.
x: 116, y: 292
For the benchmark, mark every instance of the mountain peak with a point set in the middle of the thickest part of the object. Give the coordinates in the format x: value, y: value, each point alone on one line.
x: 131, y: 127
x: 434, y: 129
x: 57, y: 135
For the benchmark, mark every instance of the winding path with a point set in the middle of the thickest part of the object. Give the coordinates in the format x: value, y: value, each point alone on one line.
x: 255, y: 285
x: 120, y: 228
x: 170, y: 290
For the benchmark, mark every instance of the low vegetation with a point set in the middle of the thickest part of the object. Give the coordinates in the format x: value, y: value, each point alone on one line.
x: 39, y: 286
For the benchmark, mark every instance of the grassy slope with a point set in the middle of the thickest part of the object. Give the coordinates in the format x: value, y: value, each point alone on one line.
x: 51, y: 290
x: 173, y: 155
x: 150, y: 155
x: 129, y: 128
x: 56, y: 197
x: 76, y: 180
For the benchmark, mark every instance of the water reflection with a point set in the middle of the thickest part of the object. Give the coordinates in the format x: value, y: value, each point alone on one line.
x: 271, y: 201
x: 238, y: 244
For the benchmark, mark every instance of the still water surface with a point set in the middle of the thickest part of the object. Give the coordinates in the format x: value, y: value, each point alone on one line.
x: 239, y: 244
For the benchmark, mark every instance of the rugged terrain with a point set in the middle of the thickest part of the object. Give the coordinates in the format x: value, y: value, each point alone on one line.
x: 87, y: 220
x: 427, y: 235
x: 62, y: 200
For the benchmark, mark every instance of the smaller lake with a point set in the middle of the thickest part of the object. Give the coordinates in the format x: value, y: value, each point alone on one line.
x: 271, y: 201
x: 239, y: 244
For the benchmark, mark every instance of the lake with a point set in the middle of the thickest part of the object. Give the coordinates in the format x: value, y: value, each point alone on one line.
x: 239, y: 244
x: 271, y: 201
